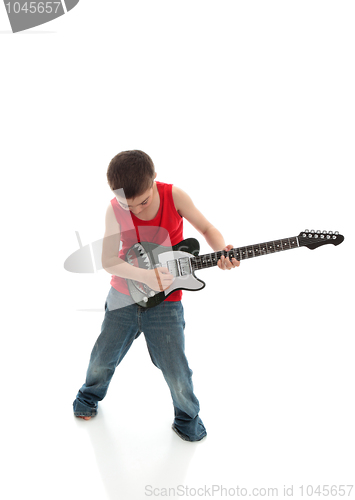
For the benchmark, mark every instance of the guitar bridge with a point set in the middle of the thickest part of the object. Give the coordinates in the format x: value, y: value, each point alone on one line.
x: 173, y: 267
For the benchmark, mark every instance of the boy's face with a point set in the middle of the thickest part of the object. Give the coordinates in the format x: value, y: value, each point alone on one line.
x: 139, y: 204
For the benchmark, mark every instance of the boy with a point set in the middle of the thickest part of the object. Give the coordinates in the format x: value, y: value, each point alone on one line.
x: 143, y: 208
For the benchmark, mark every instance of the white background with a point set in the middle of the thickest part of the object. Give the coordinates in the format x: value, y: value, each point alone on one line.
x: 249, y: 107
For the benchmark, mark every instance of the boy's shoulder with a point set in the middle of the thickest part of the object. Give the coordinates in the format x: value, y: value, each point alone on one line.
x: 112, y: 225
x: 179, y: 194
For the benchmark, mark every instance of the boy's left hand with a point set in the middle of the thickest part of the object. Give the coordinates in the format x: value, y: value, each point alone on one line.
x: 225, y: 263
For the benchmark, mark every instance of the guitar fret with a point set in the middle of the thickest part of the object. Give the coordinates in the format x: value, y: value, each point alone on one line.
x: 243, y: 253
x: 285, y: 244
x: 263, y: 248
x: 270, y: 247
x: 256, y: 250
x: 278, y: 246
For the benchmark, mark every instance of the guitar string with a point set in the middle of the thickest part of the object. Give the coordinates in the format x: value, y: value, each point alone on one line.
x: 198, y: 263
x: 210, y: 260
x: 204, y: 261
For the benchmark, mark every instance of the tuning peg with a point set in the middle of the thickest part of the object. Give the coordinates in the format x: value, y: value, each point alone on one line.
x: 306, y: 230
x: 318, y: 232
x: 336, y: 232
x: 312, y: 231
x: 324, y: 232
x: 330, y: 232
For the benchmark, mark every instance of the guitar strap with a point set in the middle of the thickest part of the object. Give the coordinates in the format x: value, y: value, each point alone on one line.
x: 159, y: 280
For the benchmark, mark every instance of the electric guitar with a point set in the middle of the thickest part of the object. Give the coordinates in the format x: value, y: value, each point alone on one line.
x: 183, y: 259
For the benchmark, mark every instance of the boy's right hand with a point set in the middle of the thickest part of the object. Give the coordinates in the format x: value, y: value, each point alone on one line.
x: 159, y: 279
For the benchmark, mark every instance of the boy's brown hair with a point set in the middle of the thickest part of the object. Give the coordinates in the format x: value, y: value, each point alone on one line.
x: 133, y: 171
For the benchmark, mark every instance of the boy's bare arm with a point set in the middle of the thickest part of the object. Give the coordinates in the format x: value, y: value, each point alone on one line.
x: 118, y: 267
x: 186, y: 208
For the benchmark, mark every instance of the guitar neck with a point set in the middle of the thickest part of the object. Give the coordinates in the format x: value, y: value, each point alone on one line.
x: 211, y: 259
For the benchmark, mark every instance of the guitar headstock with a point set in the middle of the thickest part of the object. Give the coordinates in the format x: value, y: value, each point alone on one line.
x: 314, y: 239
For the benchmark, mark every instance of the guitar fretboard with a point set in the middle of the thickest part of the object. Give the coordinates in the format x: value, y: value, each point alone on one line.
x: 211, y: 259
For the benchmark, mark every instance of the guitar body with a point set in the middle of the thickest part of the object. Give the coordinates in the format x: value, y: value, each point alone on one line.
x: 177, y: 259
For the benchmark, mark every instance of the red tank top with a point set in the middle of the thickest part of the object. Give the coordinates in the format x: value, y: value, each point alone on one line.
x: 165, y: 229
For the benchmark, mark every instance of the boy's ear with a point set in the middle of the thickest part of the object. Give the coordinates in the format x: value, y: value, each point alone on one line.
x: 155, y: 175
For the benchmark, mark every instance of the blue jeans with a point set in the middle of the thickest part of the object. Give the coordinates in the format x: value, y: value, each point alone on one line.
x: 163, y: 328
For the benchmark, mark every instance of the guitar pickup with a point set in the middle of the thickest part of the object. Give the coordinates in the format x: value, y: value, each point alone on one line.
x: 185, y: 266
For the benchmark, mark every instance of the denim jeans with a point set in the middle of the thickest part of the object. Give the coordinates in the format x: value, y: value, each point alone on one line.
x: 163, y: 328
